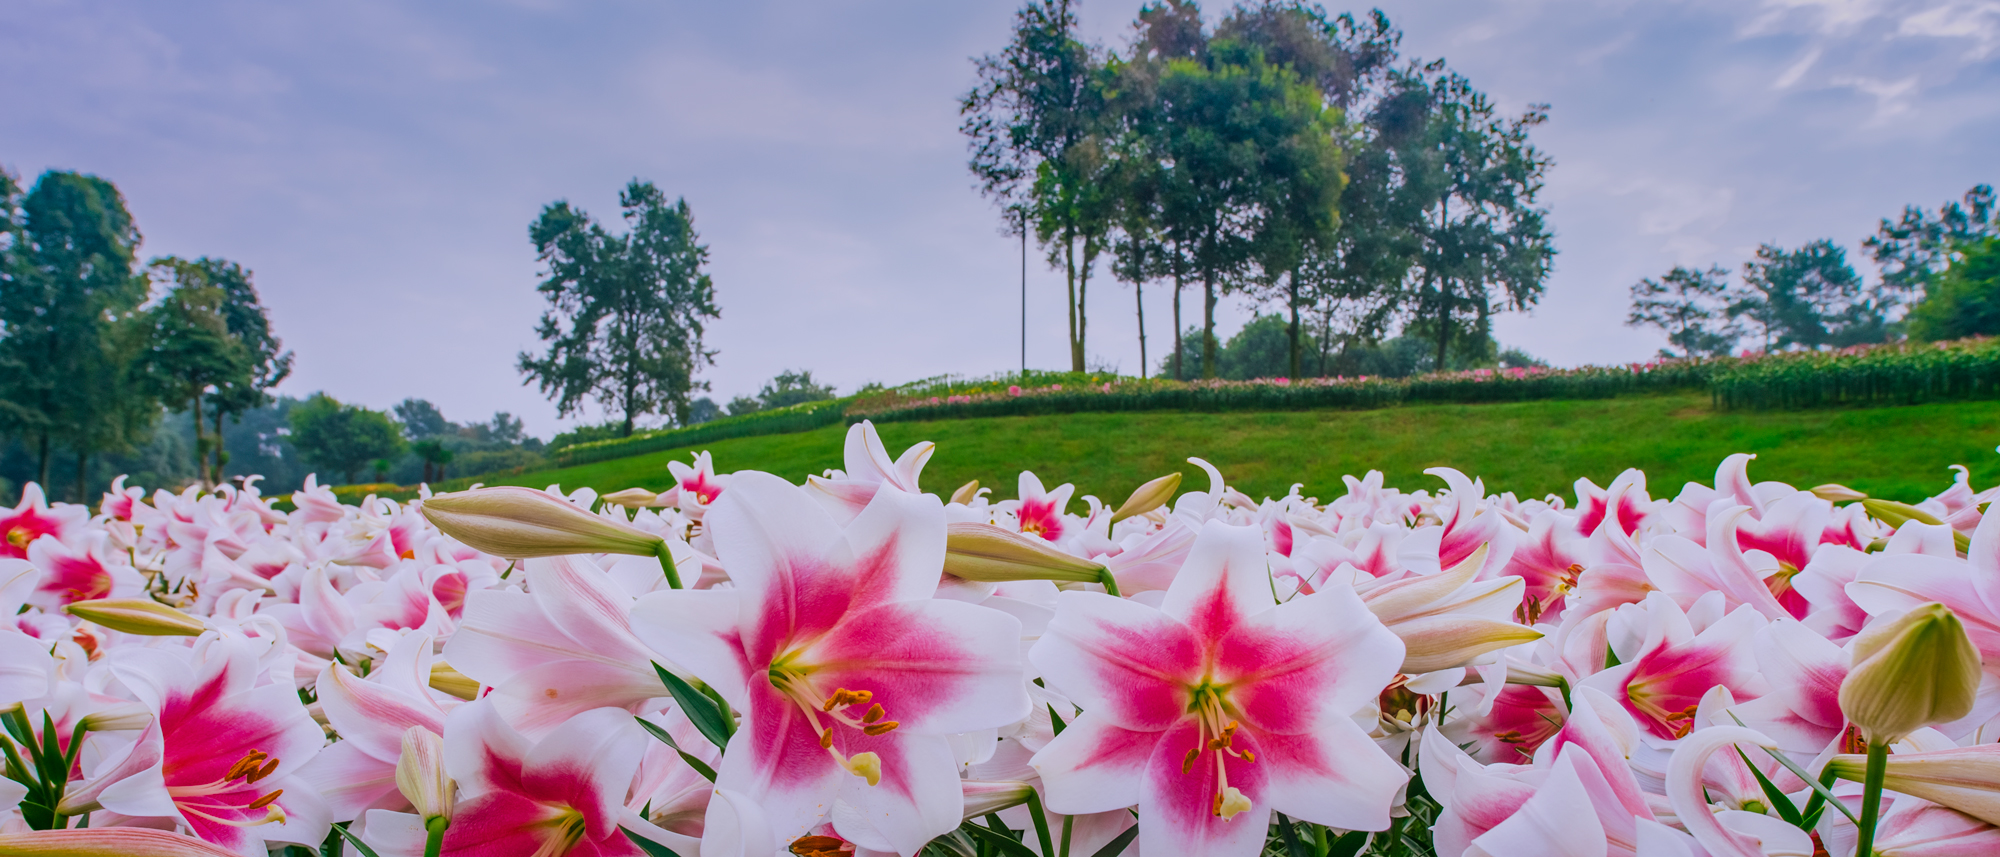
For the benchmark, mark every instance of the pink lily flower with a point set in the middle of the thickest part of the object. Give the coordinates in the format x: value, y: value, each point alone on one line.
x: 219, y: 755
x: 563, y: 796
x: 869, y: 468
x: 1040, y: 511
x: 564, y: 647
x: 698, y: 484
x: 1219, y: 707
x: 847, y: 672
x: 34, y: 518
x: 80, y: 573
x: 358, y: 772
x: 1663, y: 680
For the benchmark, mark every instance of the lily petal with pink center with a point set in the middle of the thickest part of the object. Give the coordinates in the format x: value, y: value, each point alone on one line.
x: 848, y: 674
x: 1219, y: 707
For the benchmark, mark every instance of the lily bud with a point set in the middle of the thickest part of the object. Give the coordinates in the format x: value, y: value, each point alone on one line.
x: 632, y: 498
x: 142, y: 616
x: 1148, y: 497
x: 983, y: 552
x: 1914, y: 672
x: 420, y: 774
x: 453, y: 682
x: 1836, y: 493
x: 982, y: 798
x: 966, y: 493
x: 520, y: 523
x: 1966, y: 779
x: 118, y: 718
x: 1897, y: 514
x: 107, y: 842
x: 1435, y: 643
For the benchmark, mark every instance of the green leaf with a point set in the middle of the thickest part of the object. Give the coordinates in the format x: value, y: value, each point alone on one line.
x: 1006, y: 844
x: 699, y: 766
x: 652, y: 849
x: 1117, y: 846
x: 1778, y: 800
x: 355, y: 841
x: 1349, y: 844
x: 1819, y: 788
x: 707, y: 716
x: 1291, y: 837
x: 1055, y: 720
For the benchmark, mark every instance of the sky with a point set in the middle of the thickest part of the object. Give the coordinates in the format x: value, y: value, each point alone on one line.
x: 376, y: 163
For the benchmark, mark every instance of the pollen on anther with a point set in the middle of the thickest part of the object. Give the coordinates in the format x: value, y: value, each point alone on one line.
x: 881, y: 728
x: 826, y: 739
x: 265, y: 801
x: 875, y: 713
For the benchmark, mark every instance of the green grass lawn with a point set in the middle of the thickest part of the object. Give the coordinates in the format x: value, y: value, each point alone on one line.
x: 1531, y: 448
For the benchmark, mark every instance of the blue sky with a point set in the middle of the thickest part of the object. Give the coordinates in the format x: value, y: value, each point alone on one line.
x: 377, y: 162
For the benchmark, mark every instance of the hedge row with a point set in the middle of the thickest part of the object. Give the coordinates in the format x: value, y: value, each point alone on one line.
x: 797, y: 418
x: 1901, y: 374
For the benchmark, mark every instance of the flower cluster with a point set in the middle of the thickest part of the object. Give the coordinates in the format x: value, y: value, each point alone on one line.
x: 742, y: 665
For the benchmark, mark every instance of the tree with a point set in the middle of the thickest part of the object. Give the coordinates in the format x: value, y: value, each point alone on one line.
x: 67, y: 306
x: 1037, y: 126
x: 266, y: 363
x: 343, y: 438
x: 434, y: 455
x: 1964, y: 299
x: 1809, y: 297
x: 1915, y: 249
x: 626, y: 313
x: 190, y: 349
x: 793, y: 387
x: 1690, y: 306
x: 1482, y: 245
x: 422, y: 420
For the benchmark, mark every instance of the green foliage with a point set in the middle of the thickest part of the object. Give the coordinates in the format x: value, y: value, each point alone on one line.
x: 790, y: 387
x: 626, y: 313
x: 1882, y: 375
x: 343, y: 438
x: 784, y: 420
x: 1965, y: 299
x: 1690, y: 307
x: 1915, y: 249
x: 1530, y: 448
x: 1810, y: 297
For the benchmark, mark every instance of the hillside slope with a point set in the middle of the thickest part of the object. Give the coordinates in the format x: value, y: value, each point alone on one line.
x: 1530, y: 448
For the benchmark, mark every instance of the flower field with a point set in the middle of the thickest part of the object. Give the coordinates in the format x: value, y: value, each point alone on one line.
x: 742, y: 665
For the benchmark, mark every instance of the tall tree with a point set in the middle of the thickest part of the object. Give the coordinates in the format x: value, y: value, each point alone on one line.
x: 267, y: 363
x: 1036, y: 124
x: 1809, y: 297
x: 1964, y: 299
x: 191, y: 350
x: 343, y: 438
x: 1690, y: 306
x: 1484, y: 246
x: 69, y: 293
x: 1916, y: 248
x: 626, y: 312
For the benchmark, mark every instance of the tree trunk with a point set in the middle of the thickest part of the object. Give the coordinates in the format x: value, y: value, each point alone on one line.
x: 1179, y: 347
x: 1082, y: 294
x: 1292, y: 292
x: 1208, y: 361
x: 215, y: 473
x: 1444, y: 340
x: 200, y: 450
x: 1139, y: 295
x: 42, y: 469
x: 1069, y: 285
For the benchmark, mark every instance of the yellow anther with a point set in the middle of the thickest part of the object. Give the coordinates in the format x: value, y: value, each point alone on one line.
x: 265, y: 801
x: 881, y: 728
x: 874, y: 713
x: 826, y: 739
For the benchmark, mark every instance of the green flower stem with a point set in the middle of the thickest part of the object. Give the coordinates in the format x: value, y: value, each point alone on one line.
x: 1871, y: 795
x: 1065, y: 836
x: 434, y: 843
x: 1110, y: 583
x: 667, y: 564
x: 1041, y: 822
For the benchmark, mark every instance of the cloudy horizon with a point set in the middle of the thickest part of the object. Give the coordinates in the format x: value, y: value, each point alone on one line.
x: 377, y: 163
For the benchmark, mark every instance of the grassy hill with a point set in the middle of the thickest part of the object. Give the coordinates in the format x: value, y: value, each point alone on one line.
x: 1531, y: 448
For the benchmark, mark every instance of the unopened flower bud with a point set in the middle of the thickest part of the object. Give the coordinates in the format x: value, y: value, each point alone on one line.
x: 1835, y: 493
x: 107, y: 842
x: 521, y: 523
x: 122, y: 717
x: 1435, y: 643
x: 632, y: 498
x: 982, y: 798
x: 1916, y: 671
x: 421, y: 777
x: 1148, y: 497
x: 983, y: 552
x: 142, y: 616
x: 1966, y: 779
x: 1897, y: 514
x: 453, y: 682
x: 966, y: 493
